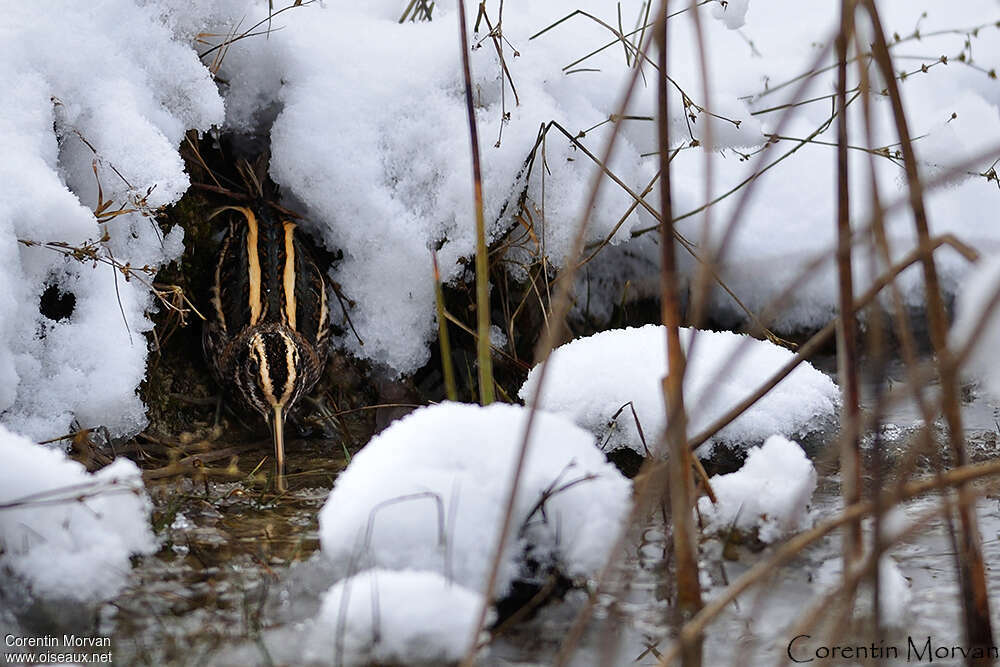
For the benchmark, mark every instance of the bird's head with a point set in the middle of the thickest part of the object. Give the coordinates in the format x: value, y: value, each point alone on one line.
x: 271, y: 377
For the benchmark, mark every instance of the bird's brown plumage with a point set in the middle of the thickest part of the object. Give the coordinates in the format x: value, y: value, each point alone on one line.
x: 266, y: 337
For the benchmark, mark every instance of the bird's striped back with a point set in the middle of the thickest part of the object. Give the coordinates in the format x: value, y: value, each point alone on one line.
x: 265, y: 275
x: 266, y: 339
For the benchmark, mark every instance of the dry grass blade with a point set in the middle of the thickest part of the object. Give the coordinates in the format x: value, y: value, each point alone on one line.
x: 446, y: 363
x: 496, y: 36
x: 483, y: 358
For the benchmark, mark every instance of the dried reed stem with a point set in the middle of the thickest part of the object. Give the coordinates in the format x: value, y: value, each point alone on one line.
x: 847, y: 347
x: 972, y: 574
x: 560, y: 309
x: 679, y: 464
x: 483, y: 358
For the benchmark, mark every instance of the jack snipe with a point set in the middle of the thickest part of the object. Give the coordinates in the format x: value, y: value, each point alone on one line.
x: 266, y: 337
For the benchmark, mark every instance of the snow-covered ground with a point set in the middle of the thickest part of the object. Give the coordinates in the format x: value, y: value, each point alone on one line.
x: 374, y: 150
x: 99, y: 88
x: 769, y: 495
x: 418, y: 513
x: 429, y: 493
x: 64, y: 533
x: 395, y: 617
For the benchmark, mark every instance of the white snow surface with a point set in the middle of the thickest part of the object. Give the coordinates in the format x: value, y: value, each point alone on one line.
x: 973, y: 315
x: 394, y: 617
x: 592, y: 378
x: 770, y: 494
x: 69, y: 534
x: 110, y: 75
x: 733, y: 13
x: 374, y: 149
x: 429, y: 492
x: 378, y: 152
x: 894, y: 590
x: 789, y: 219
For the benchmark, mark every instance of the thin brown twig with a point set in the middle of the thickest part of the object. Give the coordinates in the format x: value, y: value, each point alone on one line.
x: 972, y: 572
x: 679, y: 482
x: 847, y: 347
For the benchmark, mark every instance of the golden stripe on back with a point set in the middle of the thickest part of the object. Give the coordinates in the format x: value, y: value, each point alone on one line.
x: 253, y: 264
x: 288, y: 278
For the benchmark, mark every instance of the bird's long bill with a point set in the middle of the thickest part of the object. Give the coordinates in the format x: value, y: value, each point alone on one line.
x: 278, y: 433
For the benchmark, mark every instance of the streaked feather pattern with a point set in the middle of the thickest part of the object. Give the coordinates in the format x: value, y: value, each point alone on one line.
x: 268, y: 333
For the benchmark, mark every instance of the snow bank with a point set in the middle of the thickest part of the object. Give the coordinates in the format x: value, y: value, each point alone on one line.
x: 103, y: 82
x: 591, y: 378
x: 974, y: 299
x: 389, y: 617
x: 894, y: 590
x: 769, y: 495
x: 428, y: 493
x: 378, y: 152
x: 789, y: 220
x: 64, y: 532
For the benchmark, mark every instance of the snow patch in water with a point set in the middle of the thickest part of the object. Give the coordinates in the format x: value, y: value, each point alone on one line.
x: 591, y: 379
x: 69, y: 533
x: 429, y: 492
x: 769, y: 494
x: 394, y: 617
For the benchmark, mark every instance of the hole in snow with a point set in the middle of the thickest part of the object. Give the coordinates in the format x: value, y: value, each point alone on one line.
x: 56, y: 304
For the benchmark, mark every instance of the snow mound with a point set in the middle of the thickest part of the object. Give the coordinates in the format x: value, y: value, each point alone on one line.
x: 428, y: 493
x: 769, y: 494
x: 389, y: 617
x: 63, y: 531
x: 376, y: 154
x: 107, y: 85
x: 385, y: 172
x: 592, y: 378
x: 894, y: 590
x: 974, y: 299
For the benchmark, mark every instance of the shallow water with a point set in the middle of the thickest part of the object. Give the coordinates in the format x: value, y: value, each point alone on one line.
x: 239, y: 575
x: 635, y: 626
x: 229, y: 548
